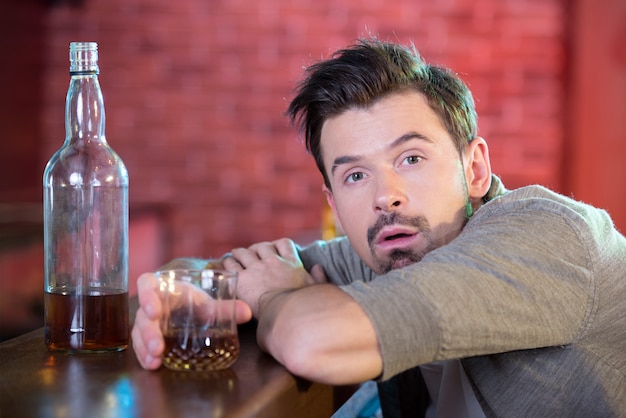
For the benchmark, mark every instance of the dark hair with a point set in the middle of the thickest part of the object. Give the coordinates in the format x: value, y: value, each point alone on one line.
x: 367, y: 71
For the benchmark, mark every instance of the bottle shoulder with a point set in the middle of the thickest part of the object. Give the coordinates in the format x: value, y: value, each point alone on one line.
x: 85, y: 163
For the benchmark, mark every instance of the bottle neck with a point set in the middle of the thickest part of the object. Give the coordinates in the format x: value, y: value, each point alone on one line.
x: 84, y: 109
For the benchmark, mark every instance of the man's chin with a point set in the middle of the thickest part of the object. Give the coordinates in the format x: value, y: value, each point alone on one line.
x: 395, y: 260
x: 398, y: 264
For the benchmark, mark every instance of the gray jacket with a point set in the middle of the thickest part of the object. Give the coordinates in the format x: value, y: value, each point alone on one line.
x: 531, y: 296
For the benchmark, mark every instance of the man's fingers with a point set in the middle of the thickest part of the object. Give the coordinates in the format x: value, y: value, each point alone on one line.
x: 243, y: 256
x: 146, y: 282
x: 286, y: 248
x: 243, y: 313
x: 147, y: 287
x: 147, y: 341
x: 230, y: 263
x: 318, y: 274
x: 146, y: 336
x: 265, y: 250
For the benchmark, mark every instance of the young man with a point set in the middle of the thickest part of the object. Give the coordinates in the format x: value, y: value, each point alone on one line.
x: 461, y: 298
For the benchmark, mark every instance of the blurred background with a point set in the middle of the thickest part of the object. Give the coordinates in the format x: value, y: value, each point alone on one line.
x: 195, y: 92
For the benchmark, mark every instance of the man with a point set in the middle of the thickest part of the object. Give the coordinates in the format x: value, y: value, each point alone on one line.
x: 459, y: 297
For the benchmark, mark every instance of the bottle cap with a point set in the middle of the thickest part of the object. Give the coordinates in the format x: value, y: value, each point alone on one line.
x: 84, y: 58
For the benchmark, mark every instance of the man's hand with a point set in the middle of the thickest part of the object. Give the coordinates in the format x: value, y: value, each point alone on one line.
x: 146, y: 334
x: 268, y: 268
x: 147, y: 338
x: 264, y: 269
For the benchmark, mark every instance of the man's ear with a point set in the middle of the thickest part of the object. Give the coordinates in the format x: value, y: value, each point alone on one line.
x: 477, y: 168
x: 331, y: 202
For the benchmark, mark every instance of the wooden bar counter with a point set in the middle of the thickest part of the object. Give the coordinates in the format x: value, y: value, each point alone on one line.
x: 35, y: 382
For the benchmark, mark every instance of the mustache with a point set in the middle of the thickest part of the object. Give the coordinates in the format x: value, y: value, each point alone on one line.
x: 418, y: 222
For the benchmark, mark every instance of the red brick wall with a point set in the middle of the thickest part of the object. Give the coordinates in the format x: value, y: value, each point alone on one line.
x: 21, y: 84
x: 195, y: 91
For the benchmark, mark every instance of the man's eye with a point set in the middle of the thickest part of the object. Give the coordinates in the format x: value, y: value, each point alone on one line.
x: 354, y: 177
x: 413, y: 159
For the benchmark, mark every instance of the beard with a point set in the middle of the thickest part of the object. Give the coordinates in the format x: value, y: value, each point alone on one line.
x: 400, y: 257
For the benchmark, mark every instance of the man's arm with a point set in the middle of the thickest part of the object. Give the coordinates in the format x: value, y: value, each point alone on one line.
x: 313, y: 328
x: 320, y: 333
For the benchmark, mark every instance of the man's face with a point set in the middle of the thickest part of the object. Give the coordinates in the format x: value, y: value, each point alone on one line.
x: 398, y: 183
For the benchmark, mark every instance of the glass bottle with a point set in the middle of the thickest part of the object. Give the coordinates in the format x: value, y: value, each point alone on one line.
x: 85, y: 224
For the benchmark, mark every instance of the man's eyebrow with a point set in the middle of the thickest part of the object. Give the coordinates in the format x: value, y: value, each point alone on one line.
x: 343, y: 160
x: 399, y: 141
x: 407, y: 137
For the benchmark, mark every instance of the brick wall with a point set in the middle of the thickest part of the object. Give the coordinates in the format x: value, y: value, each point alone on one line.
x: 195, y: 91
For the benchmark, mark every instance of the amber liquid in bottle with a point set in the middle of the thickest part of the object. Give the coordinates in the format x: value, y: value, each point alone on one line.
x: 92, y: 321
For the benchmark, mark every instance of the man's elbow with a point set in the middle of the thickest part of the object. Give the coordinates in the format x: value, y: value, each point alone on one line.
x: 302, y: 354
x: 307, y: 355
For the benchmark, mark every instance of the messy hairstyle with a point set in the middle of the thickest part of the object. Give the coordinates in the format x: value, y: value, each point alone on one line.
x: 360, y: 75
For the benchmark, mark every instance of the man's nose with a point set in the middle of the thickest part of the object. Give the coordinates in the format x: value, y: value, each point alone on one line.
x: 390, y: 194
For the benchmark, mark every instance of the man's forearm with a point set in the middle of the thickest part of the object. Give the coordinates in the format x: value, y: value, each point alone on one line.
x: 319, y: 333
